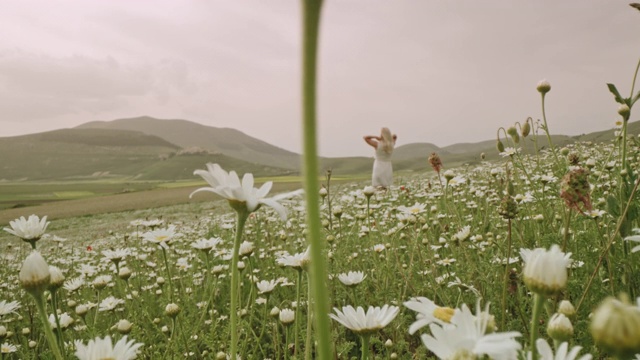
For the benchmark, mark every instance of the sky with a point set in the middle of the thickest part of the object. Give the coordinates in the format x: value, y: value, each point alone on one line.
x: 436, y: 71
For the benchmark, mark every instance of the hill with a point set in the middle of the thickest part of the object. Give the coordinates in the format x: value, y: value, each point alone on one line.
x: 187, y: 134
x: 89, y: 153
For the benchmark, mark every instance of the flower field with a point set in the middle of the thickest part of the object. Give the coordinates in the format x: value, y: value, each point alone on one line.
x: 529, y: 235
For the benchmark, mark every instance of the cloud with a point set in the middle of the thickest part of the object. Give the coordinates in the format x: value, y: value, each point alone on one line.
x: 34, y: 86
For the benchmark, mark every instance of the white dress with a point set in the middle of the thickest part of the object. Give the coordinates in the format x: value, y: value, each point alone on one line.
x: 382, y: 169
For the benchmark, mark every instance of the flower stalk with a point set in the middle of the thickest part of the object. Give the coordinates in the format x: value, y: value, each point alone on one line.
x: 242, y: 216
x: 311, y: 22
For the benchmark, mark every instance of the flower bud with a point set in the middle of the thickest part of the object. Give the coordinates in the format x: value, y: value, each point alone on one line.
x: 287, y: 316
x: 82, y: 310
x: 337, y: 211
x: 274, y: 312
x: 369, y: 191
x: 526, y: 129
x: 566, y: 308
x: 615, y: 326
x: 323, y: 192
x: 124, y: 273
x: 57, y: 278
x: 172, y: 310
x: 500, y: 146
x: 560, y: 328
x: 624, y: 111
x: 449, y: 174
x: 513, y: 132
x: 124, y: 326
x: 543, y: 87
x: 34, y: 275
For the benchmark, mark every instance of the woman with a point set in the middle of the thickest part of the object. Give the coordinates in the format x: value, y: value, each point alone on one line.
x: 382, y: 171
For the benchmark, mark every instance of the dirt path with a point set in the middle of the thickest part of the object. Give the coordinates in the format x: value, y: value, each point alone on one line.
x: 118, y: 203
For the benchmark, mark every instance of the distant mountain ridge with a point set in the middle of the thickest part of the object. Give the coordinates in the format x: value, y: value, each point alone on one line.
x: 145, y: 148
x: 185, y: 134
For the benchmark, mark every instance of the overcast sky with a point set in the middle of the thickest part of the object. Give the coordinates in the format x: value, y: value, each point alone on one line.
x: 438, y: 71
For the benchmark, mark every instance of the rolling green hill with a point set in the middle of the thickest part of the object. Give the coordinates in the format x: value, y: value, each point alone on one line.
x: 187, y: 134
x: 95, y: 154
x: 149, y: 149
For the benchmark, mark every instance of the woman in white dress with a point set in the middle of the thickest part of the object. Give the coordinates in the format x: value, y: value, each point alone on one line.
x: 382, y: 170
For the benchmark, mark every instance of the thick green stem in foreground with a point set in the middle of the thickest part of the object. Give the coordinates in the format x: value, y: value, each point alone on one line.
x: 51, y: 339
x: 243, y: 214
x: 311, y: 23
x: 538, y: 302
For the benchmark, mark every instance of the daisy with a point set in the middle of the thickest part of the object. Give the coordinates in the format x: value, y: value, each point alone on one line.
x: 228, y: 186
x: 7, y: 348
x: 65, y: 321
x: 360, y: 322
x: 545, y: 271
x: 116, y: 255
x: 265, y: 287
x: 413, y: 210
x: 428, y: 312
x: 30, y: 230
x: 546, y: 353
x: 161, y: 237
x: 297, y: 261
x: 468, y: 339
x: 206, y: 244
x: 72, y: 285
x: 103, y: 349
x: 8, y: 307
x: 352, y: 278
x: 110, y: 303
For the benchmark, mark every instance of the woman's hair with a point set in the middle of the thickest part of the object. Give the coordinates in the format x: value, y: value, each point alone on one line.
x: 387, y: 140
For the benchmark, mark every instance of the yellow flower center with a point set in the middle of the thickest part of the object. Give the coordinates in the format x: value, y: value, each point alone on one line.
x: 443, y: 313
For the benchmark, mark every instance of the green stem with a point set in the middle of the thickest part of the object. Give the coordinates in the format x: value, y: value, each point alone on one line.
x: 297, y: 318
x: 546, y: 130
x: 566, y: 232
x: 538, y: 302
x: 365, y: 347
x: 311, y: 23
x: 506, y: 278
x: 166, y: 265
x: 54, y: 305
x: 51, y: 339
x: 635, y: 76
x: 243, y: 214
x: 308, y: 344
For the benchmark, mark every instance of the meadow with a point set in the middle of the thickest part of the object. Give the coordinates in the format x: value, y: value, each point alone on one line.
x: 453, y: 236
x: 528, y: 257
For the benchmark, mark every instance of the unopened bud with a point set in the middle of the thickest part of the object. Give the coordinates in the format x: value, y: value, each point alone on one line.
x: 543, y: 87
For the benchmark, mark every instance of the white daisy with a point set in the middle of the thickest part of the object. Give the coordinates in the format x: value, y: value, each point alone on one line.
x: 228, y: 186
x: 104, y: 349
x: 468, y: 339
x: 360, y: 322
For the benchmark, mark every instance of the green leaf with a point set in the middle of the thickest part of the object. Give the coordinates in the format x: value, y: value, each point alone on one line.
x: 616, y: 94
x: 635, y: 98
x: 612, y: 206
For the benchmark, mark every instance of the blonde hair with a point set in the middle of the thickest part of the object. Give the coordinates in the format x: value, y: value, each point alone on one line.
x: 387, y: 140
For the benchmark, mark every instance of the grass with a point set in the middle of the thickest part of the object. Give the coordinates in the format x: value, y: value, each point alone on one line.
x: 412, y: 243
